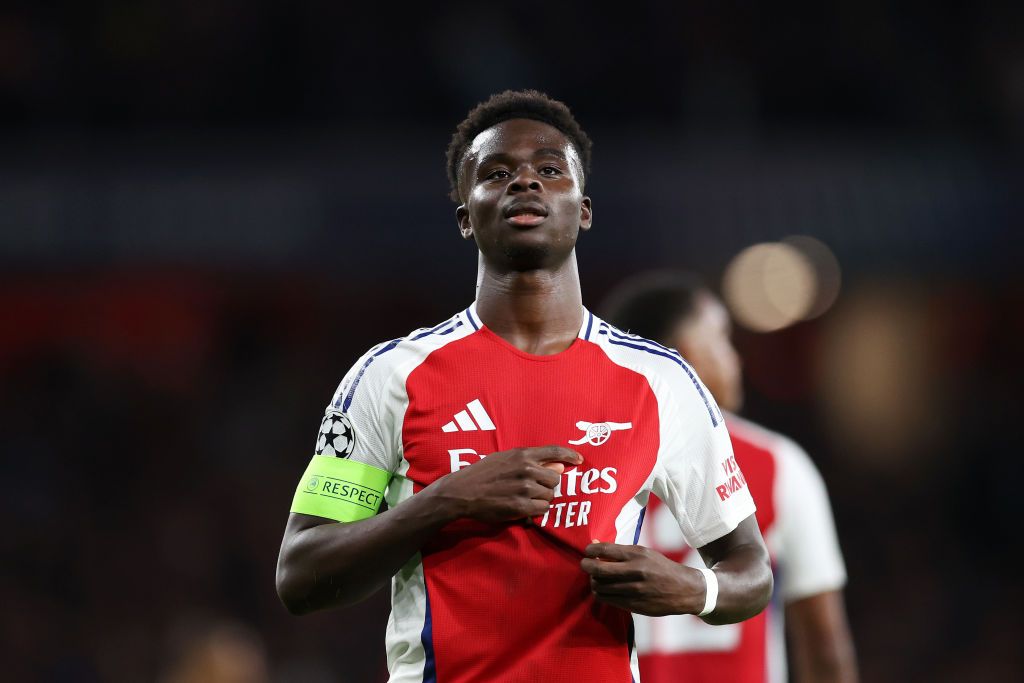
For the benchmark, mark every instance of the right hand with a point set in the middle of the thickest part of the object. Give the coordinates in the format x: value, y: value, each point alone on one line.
x: 508, y: 485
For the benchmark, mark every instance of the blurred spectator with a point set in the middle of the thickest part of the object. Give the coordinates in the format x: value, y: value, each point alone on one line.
x: 210, y: 651
x: 793, y: 513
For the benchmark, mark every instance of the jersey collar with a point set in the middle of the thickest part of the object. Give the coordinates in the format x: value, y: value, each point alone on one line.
x: 588, y: 328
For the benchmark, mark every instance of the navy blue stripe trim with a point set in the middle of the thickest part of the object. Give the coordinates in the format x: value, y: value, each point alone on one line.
x: 639, y: 524
x: 675, y: 357
x: 469, y: 316
x: 450, y: 329
x: 350, y: 394
x: 362, y: 371
x: 776, y: 600
x: 648, y: 349
x: 713, y: 411
x: 632, y: 625
x: 590, y: 324
x: 432, y: 330
x: 641, y: 340
x: 427, y: 638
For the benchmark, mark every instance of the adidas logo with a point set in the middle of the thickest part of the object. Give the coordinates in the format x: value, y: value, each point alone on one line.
x: 464, y: 423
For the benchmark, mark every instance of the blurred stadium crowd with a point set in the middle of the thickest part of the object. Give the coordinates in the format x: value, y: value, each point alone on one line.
x: 209, y: 209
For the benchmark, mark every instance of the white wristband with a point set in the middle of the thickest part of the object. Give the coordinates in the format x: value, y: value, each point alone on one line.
x: 711, y: 596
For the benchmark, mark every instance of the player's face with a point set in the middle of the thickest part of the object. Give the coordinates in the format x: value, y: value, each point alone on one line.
x: 705, y: 341
x: 524, y: 204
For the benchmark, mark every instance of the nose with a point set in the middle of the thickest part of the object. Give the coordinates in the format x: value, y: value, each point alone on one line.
x: 525, y: 180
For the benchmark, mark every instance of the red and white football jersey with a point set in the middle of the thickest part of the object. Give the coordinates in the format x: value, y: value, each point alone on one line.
x: 509, y: 602
x: 795, y: 518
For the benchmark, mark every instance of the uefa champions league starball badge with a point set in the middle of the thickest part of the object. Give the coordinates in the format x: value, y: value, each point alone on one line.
x: 336, y: 436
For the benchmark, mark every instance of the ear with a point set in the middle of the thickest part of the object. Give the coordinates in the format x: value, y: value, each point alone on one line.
x: 586, y: 214
x: 462, y: 217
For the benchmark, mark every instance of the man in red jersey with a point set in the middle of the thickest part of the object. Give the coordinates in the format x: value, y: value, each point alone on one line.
x: 793, y: 514
x: 516, y: 445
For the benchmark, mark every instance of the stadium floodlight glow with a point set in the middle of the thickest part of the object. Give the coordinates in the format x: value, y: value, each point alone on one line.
x: 770, y: 286
x: 828, y: 275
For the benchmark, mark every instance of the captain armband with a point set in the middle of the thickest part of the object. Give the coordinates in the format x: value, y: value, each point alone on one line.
x: 340, y: 489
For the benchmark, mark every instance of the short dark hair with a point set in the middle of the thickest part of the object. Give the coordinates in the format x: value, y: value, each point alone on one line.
x: 653, y: 303
x: 514, y: 104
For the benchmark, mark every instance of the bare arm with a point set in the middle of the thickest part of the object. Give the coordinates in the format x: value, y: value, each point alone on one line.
x: 644, y: 581
x: 324, y: 563
x: 822, y: 648
x: 741, y: 562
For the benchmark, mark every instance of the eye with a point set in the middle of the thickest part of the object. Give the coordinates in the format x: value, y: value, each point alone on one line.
x: 497, y: 174
x: 550, y: 170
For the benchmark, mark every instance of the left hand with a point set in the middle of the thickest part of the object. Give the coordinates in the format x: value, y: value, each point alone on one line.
x: 642, y: 580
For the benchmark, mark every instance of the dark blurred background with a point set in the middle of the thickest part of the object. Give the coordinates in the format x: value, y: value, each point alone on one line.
x: 209, y: 209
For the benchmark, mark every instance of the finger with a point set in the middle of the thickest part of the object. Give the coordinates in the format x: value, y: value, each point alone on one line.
x: 613, y: 552
x: 626, y: 602
x: 556, y: 454
x: 610, y: 572
x: 530, y: 508
x: 540, y: 492
x: 545, y: 476
x: 538, y: 507
x: 556, y: 467
x: 623, y: 589
x: 527, y: 489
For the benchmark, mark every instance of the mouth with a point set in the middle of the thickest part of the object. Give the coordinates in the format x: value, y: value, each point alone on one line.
x: 526, y: 214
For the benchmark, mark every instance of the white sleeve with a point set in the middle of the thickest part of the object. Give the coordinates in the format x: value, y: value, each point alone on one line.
x: 360, y: 422
x: 810, y: 561
x: 696, y: 475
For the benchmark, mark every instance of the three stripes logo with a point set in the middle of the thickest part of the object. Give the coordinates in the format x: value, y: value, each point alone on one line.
x: 472, y: 419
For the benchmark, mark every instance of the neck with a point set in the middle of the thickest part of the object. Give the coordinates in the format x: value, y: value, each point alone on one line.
x: 537, y: 311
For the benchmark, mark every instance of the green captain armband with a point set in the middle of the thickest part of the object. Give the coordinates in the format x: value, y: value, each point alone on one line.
x: 340, y: 489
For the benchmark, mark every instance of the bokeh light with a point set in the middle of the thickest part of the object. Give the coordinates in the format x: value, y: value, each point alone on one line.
x: 827, y: 274
x: 878, y: 375
x: 771, y: 285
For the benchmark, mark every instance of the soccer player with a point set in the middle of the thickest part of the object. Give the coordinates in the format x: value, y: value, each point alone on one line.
x: 792, y: 511
x: 516, y: 445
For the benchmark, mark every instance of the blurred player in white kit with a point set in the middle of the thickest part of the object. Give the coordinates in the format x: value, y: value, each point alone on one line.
x: 793, y: 513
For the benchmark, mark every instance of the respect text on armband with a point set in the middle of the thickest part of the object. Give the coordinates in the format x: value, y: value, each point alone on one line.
x: 347, y: 491
x: 340, y: 489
